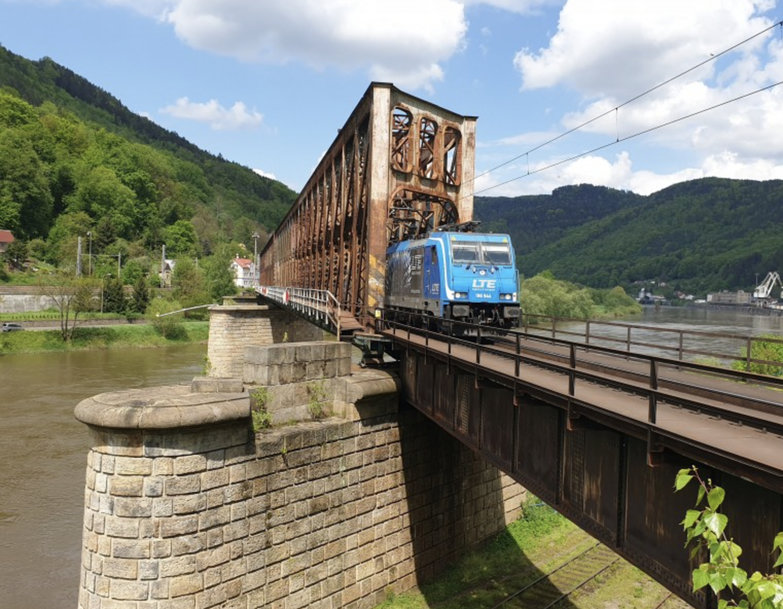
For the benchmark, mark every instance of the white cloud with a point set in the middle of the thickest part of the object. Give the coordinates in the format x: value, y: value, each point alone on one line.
x: 219, y: 118
x: 608, y: 52
x: 515, y: 6
x: 620, y: 174
x: 618, y: 49
x: 406, y: 39
x: 149, y: 8
x: 265, y: 174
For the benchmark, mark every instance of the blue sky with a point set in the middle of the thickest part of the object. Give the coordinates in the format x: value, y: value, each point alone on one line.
x: 267, y: 83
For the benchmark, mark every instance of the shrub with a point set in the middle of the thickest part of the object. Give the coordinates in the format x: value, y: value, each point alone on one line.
x: 262, y: 418
x: 168, y: 326
x: 317, y: 404
x: 764, y: 351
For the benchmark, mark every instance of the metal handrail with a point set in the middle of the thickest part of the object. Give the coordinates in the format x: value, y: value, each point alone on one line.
x: 320, y: 306
x: 552, y: 326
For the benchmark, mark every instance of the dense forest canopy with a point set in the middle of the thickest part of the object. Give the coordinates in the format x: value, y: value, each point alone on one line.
x: 703, y: 235
x: 74, y: 160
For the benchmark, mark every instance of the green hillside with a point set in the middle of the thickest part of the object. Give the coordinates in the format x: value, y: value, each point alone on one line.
x: 697, y: 236
x: 73, y: 159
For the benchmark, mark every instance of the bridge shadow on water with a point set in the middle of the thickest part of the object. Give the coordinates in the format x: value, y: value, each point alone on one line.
x: 456, y: 504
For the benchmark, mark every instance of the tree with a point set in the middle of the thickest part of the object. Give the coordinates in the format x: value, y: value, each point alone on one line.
x: 189, y: 285
x: 219, y: 278
x: 181, y: 239
x: 705, y: 529
x: 114, y: 296
x: 71, y: 296
x: 141, y: 295
x: 26, y: 203
x: 16, y: 253
x: 545, y: 295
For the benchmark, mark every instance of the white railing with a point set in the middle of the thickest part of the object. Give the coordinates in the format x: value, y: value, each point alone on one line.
x: 319, y: 306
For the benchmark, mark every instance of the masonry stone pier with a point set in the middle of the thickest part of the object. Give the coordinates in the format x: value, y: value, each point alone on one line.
x: 188, y: 506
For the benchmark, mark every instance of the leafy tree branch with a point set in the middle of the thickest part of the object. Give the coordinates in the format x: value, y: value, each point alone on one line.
x: 705, y: 531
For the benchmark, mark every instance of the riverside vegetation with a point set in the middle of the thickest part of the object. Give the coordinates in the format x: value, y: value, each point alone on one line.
x: 135, y: 335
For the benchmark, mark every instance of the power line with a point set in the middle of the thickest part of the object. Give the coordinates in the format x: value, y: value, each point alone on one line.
x: 637, y: 134
x: 623, y: 104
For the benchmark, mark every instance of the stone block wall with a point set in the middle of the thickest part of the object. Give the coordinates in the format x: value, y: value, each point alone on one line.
x: 322, y: 514
x: 233, y: 328
x: 295, y: 377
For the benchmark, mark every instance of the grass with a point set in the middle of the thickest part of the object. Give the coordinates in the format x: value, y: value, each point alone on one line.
x: 114, y: 337
x: 478, y: 580
x: 533, y: 545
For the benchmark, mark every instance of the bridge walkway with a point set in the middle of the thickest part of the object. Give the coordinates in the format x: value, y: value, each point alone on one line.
x: 760, y: 399
x: 697, y: 418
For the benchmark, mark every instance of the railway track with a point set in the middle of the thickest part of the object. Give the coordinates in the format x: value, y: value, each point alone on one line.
x: 557, y: 585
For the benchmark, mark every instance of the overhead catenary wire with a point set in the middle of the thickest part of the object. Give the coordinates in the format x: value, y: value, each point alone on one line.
x: 617, y: 108
x: 632, y: 136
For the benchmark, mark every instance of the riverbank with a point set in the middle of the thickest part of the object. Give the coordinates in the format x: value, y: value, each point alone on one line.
x: 112, y: 337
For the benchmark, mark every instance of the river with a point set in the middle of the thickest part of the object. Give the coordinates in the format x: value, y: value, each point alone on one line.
x: 724, y: 320
x: 43, y: 458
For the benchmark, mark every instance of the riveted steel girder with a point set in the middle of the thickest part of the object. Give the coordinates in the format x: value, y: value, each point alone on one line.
x: 399, y: 167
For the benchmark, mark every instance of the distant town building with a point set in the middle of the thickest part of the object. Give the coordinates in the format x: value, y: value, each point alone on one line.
x: 6, y: 238
x: 166, y: 271
x: 244, y: 272
x: 737, y: 298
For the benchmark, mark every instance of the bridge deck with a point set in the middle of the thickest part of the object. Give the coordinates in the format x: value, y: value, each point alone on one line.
x: 695, y: 414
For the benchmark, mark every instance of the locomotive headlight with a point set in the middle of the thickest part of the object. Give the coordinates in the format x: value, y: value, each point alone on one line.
x: 506, y: 297
x: 460, y: 294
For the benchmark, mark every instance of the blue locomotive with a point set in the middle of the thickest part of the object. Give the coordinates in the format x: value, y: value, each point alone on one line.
x: 464, y: 276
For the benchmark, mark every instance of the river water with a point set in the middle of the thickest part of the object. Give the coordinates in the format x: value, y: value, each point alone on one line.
x: 724, y: 320
x: 664, y: 331
x: 43, y: 449
x: 43, y: 458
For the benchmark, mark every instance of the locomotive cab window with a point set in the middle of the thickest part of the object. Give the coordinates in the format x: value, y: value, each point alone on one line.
x: 465, y: 252
x: 497, y: 253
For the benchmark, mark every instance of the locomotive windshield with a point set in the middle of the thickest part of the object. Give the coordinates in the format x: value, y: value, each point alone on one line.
x: 465, y: 252
x: 496, y: 253
x: 475, y: 252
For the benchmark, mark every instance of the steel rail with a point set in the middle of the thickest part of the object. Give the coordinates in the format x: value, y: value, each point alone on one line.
x: 546, y: 576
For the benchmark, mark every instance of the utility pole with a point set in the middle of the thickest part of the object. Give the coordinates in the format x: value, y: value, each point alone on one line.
x: 89, y: 237
x: 162, y: 264
x: 79, y: 256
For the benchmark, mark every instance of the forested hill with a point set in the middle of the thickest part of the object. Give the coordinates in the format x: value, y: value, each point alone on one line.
x: 697, y: 236
x: 73, y: 158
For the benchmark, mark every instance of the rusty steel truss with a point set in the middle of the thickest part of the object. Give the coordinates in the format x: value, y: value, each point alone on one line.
x: 399, y: 167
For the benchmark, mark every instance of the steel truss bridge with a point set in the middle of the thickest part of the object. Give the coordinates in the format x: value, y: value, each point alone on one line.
x: 596, y: 428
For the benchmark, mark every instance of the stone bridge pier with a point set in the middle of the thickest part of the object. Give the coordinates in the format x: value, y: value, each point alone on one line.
x: 347, y: 497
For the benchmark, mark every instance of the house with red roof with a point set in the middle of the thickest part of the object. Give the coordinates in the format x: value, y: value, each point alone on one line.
x: 6, y: 238
x: 244, y: 272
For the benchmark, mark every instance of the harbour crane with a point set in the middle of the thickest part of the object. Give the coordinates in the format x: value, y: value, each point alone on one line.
x: 763, y: 291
